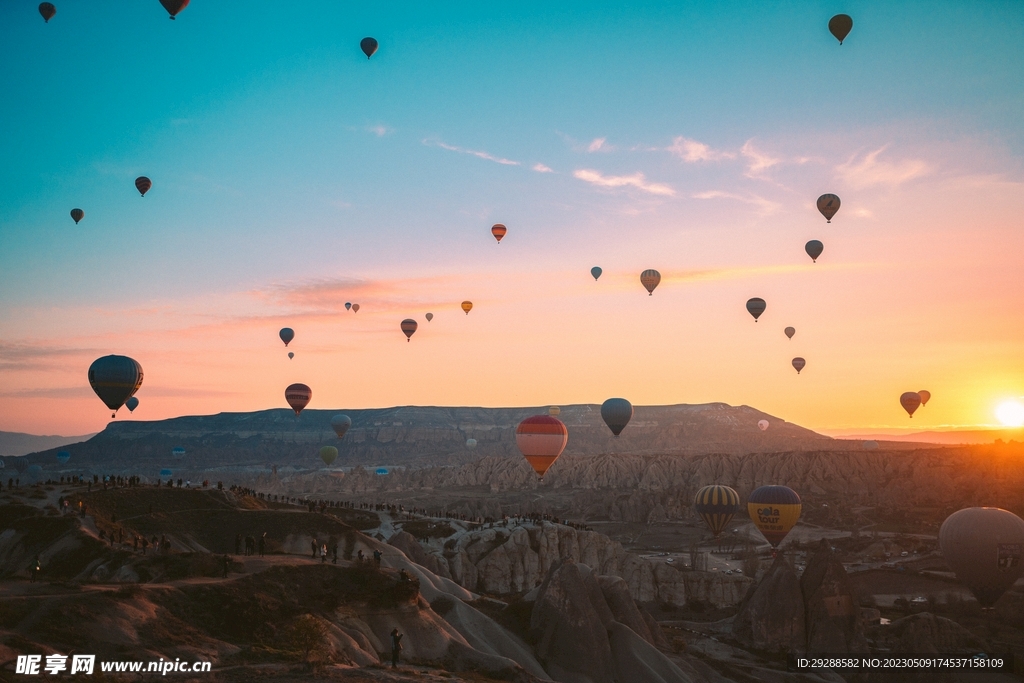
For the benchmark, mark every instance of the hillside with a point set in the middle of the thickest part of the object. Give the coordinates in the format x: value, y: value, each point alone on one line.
x: 16, y: 443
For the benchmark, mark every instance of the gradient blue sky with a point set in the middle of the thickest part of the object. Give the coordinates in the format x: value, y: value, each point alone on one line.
x: 291, y: 174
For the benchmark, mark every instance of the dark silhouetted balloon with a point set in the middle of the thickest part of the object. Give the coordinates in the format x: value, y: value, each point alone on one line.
x: 340, y: 424
x: 298, y: 396
x: 925, y: 396
x: 596, y: 272
x: 429, y: 317
x: 762, y: 425
x: 828, y: 204
x: 328, y: 454
x: 716, y: 505
x: 77, y: 215
x: 840, y: 26
x: 115, y: 379
x: 814, y: 249
x: 131, y: 404
x: 142, y: 183
x: 63, y: 457
x: 911, y: 401
x: 774, y: 510
x: 355, y: 308
x: 286, y: 334
x: 650, y: 279
x: 498, y: 230
x: 790, y: 331
x: 348, y: 305
x: 48, y: 11
x: 173, y: 7
x: 755, y: 307
x: 616, y: 413
x: 541, y: 439
x: 368, y: 46
x: 985, y: 547
x: 467, y: 306
x: 409, y: 328
x: 799, y: 364
x: 291, y: 355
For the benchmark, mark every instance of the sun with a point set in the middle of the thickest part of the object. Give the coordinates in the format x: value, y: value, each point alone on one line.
x: 1010, y: 413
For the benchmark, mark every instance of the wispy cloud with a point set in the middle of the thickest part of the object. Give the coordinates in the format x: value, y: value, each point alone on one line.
x: 869, y: 170
x: 599, y: 145
x: 541, y: 168
x: 380, y: 130
x: 765, y: 206
x: 757, y: 161
x: 637, y: 180
x: 14, y: 356
x: 477, y: 153
x: 692, y: 151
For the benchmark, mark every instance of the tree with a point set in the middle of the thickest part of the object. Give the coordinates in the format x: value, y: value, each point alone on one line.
x: 308, y: 635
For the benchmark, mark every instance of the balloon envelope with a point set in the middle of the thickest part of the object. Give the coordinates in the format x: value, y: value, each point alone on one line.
x: 616, y: 413
x: 650, y: 279
x: 985, y: 547
x: 409, y: 328
x: 814, y: 249
x: 328, y: 454
x: 762, y: 425
x: 755, y: 307
x: 467, y: 306
x: 596, y: 272
x: 498, y: 230
x: 799, y: 364
x: 115, y: 379
x: 429, y: 317
x: 470, y: 443
x: 911, y: 401
x: 840, y: 26
x: 298, y: 396
x: 925, y: 396
x: 541, y: 439
x: 716, y: 505
x: 178, y: 452
x: 381, y: 471
x: 77, y: 215
x: 286, y: 334
x: 870, y: 445
x: 775, y: 510
x: 291, y: 355
x: 142, y: 184
x: 828, y: 204
x: 63, y: 457
x: 790, y: 331
x: 165, y: 472
x: 131, y: 404
x: 368, y: 46
x: 340, y: 424
x: 355, y: 308
x: 47, y: 10
x: 554, y: 411
x: 174, y: 6
x: 348, y: 305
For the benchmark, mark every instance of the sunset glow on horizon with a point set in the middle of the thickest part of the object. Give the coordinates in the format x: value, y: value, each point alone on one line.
x: 291, y: 175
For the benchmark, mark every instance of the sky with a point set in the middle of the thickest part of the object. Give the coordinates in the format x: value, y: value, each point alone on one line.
x: 291, y: 175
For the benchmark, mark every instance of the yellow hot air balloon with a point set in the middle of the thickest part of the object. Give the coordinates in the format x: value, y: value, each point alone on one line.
x: 774, y: 510
x: 554, y: 411
x: 328, y: 454
x: 467, y: 306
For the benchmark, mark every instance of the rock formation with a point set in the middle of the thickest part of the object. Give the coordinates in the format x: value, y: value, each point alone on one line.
x: 833, y: 616
x: 772, y: 616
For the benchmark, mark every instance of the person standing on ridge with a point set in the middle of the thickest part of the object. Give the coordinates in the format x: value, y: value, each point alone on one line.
x: 396, y: 647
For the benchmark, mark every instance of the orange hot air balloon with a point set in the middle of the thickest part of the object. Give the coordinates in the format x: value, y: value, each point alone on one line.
x: 925, y: 396
x: 650, y: 279
x: 142, y: 183
x: 47, y: 10
x: 498, y: 230
x: 429, y: 317
x: 173, y: 7
x: 355, y: 308
x: 911, y: 401
x: 467, y: 306
x: 541, y: 439
x: 409, y: 328
x: 298, y: 397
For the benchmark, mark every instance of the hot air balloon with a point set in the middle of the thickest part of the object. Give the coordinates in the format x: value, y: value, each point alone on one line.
x: 716, y: 505
x: 48, y: 11
x: 541, y: 439
x: 799, y: 364
x: 115, y: 379
x: 762, y: 425
x: 828, y: 204
x: 870, y: 445
x: 286, y: 334
x: 381, y: 471
x: 368, y: 46
x: 63, y: 457
x: 178, y: 452
x: 174, y: 6
x: 348, y: 305
x: 814, y: 249
x: 142, y: 183
x: 554, y: 411
x: 596, y: 272
x: 467, y: 306
x: 355, y: 308
x: 985, y: 547
x: 471, y: 443
x: 498, y: 230
x: 409, y: 328
x: 925, y: 396
x: 328, y: 454
x: 291, y: 355
x: 166, y: 472
x: 840, y: 26
x: 131, y: 404
x: 650, y: 279
x: 340, y: 424
x: 911, y: 401
x: 616, y: 413
x: 298, y: 396
x: 77, y: 215
x: 429, y: 317
x: 790, y: 331
x: 755, y: 307
x: 775, y: 510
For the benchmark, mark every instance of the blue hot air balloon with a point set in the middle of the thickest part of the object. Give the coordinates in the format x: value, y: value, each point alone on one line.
x: 381, y: 471
x: 165, y: 472
x: 178, y: 452
x: 63, y: 457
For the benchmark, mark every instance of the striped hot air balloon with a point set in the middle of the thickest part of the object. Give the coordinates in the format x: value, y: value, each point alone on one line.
x: 409, y: 328
x: 498, y: 230
x: 298, y: 397
x: 774, y: 510
x: 541, y: 439
x: 756, y: 306
x: 716, y: 505
x: 142, y: 183
x: 799, y: 364
x: 650, y: 279
x: 467, y: 306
